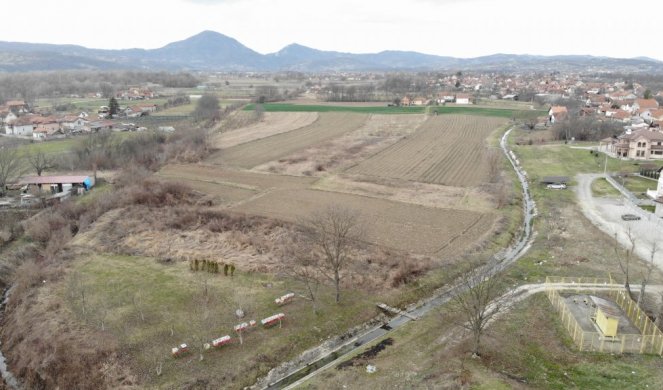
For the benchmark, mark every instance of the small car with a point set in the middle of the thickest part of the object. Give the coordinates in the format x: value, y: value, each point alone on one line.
x: 630, y: 217
x: 556, y: 186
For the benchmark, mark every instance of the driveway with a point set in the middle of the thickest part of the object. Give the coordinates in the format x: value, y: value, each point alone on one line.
x: 605, y: 213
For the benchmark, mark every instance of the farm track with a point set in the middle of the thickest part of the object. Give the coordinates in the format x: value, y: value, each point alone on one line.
x: 326, y: 127
x: 445, y: 150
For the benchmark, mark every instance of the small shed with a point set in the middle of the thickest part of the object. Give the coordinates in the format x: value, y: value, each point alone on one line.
x: 57, y: 184
x: 555, y: 180
x: 607, y: 317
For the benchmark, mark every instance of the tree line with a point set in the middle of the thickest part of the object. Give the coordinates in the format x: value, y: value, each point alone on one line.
x: 33, y: 85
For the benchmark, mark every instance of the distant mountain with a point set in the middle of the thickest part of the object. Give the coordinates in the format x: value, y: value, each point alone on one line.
x: 212, y: 51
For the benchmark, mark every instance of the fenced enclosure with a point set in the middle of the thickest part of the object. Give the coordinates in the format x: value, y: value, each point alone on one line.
x: 648, y: 341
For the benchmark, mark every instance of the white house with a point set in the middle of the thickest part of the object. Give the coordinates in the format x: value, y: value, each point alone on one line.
x: 463, y: 98
x: 24, y: 128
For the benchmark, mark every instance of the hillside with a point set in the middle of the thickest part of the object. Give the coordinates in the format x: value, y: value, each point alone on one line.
x: 213, y: 51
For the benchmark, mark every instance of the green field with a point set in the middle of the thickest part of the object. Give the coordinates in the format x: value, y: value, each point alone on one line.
x: 150, y: 307
x: 601, y: 188
x: 504, y: 113
x: 637, y: 185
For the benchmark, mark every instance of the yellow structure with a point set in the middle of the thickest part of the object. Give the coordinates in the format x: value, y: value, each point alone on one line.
x: 607, y: 317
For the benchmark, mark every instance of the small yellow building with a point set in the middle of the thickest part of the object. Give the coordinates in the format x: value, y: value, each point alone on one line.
x: 607, y: 317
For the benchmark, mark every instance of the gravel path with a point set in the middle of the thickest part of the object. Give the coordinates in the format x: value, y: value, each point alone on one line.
x: 605, y: 213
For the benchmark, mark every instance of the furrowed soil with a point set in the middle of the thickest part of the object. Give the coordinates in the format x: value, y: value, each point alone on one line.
x: 447, y: 149
x: 251, y: 154
x: 379, y: 132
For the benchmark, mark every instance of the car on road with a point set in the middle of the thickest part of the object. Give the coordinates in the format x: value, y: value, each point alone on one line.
x: 630, y: 217
x: 556, y: 186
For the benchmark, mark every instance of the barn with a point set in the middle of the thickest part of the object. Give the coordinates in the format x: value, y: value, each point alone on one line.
x: 58, y: 184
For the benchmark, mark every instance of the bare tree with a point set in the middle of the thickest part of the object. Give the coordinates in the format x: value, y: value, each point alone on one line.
x: 202, y: 321
x: 646, y: 274
x: 333, y: 233
x: 39, y: 161
x: 478, y: 303
x: 303, y: 267
x: 10, y: 166
x: 624, y: 258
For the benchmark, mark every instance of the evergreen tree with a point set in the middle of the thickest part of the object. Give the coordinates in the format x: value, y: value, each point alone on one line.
x: 113, y: 107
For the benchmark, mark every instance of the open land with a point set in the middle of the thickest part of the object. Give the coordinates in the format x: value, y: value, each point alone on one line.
x: 263, y: 150
x: 447, y: 150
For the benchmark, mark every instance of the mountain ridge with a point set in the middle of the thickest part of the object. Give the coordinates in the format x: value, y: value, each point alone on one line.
x: 213, y: 51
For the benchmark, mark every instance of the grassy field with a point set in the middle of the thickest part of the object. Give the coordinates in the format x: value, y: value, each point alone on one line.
x: 481, y: 111
x: 150, y: 307
x: 562, y: 160
x: 447, y: 150
x: 637, y: 185
x: 601, y: 188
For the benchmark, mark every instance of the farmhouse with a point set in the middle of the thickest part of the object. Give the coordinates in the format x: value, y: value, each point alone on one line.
x: 58, y: 184
x: 463, y: 98
x: 21, y: 126
x: 557, y: 113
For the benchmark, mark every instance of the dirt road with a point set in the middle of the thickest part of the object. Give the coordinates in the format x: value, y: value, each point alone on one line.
x: 605, y: 213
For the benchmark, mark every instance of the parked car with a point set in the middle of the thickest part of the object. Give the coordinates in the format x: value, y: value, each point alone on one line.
x: 556, y: 186
x: 630, y: 217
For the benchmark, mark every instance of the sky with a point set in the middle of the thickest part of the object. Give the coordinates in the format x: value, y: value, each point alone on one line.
x: 459, y: 28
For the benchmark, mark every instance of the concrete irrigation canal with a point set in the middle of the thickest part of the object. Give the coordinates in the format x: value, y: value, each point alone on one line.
x: 498, y: 263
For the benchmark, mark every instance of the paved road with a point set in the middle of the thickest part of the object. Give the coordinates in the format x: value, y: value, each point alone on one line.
x: 605, y: 213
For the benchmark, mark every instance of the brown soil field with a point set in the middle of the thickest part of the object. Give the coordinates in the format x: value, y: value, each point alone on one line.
x: 251, y: 154
x: 396, y: 225
x: 423, y: 194
x: 273, y: 123
x: 378, y: 132
x: 447, y: 149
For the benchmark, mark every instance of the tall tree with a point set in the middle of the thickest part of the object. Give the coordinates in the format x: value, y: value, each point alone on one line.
x: 207, y: 109
x: 113, y: 107
x: 480, y: 300
x: 10, y: 167
x: 39, y: 161
x: 333, y: 234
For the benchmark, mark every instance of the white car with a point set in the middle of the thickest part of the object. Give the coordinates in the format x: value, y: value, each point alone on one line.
x: 556, y: 186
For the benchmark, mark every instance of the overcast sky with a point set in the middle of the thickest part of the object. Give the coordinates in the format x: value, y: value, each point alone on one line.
x: 460, y: 28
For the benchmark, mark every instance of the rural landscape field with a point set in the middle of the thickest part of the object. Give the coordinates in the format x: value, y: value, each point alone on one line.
x: 338, y: 195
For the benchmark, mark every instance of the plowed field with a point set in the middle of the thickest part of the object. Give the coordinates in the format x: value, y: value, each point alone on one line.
x: 251, y: 154
x: 447, y: 149
x: 272, y: 124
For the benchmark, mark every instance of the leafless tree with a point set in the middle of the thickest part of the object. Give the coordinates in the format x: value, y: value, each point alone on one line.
x: 478, y: 303
x: 202, y: 321
x: 303, y: 266
x: 333, y: 233
x: 39, y: 161
x: 624, y: 257
x: 646, y: 274
x: 10, y: 166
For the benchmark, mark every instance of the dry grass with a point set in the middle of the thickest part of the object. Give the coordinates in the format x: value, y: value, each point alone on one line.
x: 378, y: 132
x: 251, y: 154
x: 423, y: 194
x: 447, y: 149
x: 273, y: 123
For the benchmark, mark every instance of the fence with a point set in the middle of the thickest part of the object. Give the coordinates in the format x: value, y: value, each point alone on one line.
x: 650, y: 341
